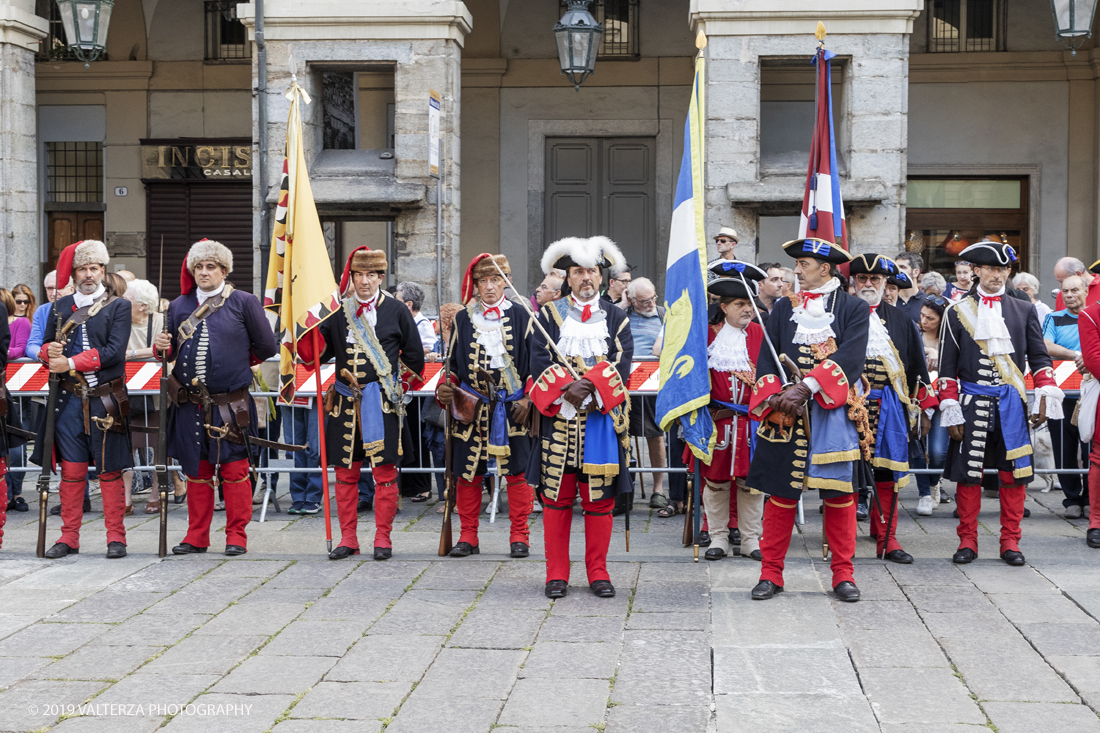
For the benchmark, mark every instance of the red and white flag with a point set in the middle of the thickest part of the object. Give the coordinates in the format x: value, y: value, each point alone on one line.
x: 822, y: 208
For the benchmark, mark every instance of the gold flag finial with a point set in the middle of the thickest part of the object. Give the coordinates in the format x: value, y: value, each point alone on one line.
x: 820, y: 32
x: 700, y: 40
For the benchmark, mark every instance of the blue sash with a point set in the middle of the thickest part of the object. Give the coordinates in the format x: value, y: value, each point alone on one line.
x: 498, y: 421
x: 753, y: 424
x: 370, y: 415
x: 1013, y: 421
x: 892, y: 438
x: 835, y: 443
x: 601, y: 445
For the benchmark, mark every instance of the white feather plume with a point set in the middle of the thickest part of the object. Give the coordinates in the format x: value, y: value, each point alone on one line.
x: 586, y: 252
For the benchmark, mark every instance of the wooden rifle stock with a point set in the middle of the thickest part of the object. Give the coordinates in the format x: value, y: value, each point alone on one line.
x: 446, y: 532
x: 47, y: 450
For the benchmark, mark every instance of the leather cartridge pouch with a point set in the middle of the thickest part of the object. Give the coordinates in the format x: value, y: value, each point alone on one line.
x: 175, y: 391
x: 230, y: 406
x: 464, y: 406
x: 116, y: 401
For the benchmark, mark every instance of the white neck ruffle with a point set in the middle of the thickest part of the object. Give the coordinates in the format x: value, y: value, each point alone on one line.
x: 814, y: 324
x: 990, y: 326
x: 586, y: 340
x: 489, y: 333
x: 729, y: 351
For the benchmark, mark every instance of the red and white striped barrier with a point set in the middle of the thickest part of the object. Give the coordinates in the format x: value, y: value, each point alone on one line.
x: 30, y: 378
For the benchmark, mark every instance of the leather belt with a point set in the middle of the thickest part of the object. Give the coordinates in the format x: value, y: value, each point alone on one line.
x: 115, y: 399
x: 723, y: 414
x: 217, y: 398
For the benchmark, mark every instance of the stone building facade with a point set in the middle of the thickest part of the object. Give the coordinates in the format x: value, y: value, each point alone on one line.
x: 950, y: 124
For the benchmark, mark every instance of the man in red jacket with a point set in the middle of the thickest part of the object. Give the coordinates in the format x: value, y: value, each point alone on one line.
x: 1088, y: 326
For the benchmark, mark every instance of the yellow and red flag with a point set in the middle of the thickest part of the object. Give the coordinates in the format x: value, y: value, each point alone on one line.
x: 301, y: 289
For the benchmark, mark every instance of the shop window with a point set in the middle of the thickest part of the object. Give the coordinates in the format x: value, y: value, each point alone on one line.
x: 966, y: 25
x: 945, y: 215
x: 225, y: 36
x: 75, y: 172
x: 619, y: 19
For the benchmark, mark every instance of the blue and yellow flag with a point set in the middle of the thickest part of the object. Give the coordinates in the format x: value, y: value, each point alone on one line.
x: 685, y: 379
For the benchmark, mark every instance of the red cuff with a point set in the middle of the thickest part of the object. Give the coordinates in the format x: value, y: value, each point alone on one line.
x: 1044, y: 378
x: 410, y: 380
x: 608, y: 383
x: 252, y: 360
x: 44, y: 353
x: 926, y: 398
x: 833, y: 382
x: 547, y: 388
x: 948, y: 389
x: 306, y: 351
x: 86, y: 361
x: 764, y: 389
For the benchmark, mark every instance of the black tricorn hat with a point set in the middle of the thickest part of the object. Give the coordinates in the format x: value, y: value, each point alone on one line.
x: 900, y: 279
x: 728, y: 283
x: 819, y: 249
x: 870, y: 263
x: 990, y: 254
x: 1094, y: 268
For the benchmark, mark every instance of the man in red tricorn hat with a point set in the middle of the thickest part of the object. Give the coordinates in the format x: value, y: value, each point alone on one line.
x: 371, y: 335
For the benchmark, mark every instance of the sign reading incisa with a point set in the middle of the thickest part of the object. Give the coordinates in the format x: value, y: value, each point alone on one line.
x: 211, y: 160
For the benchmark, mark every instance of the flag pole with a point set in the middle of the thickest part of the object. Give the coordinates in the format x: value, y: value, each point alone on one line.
x: 318, y: 349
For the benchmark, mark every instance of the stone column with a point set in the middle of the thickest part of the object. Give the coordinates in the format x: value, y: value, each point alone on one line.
x: 422, y: 41
x: 874, y: 46
x: 20, y: 31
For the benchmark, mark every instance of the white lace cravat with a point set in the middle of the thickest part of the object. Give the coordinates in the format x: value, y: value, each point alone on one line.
x: 990, y: 326
x: 729, y: 351
x: 489, y: 333
x: 814, y: 324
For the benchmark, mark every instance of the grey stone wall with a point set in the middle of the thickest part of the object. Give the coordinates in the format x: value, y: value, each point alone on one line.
x: 18, y: 174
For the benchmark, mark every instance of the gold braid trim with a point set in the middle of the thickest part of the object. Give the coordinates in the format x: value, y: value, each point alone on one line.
x: 824, y: 350
x: 857, y: 413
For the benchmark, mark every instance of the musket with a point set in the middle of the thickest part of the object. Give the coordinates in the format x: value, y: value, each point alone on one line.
x: 47, y: 448
x: 161, y: 458
x: 446, y: 532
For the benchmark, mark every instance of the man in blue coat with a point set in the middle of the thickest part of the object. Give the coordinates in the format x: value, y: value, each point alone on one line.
x: 92, y: 423
x: 209, y: 404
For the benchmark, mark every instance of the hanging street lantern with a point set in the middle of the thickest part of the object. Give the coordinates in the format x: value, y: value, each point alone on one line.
x: 86, y: 23
x: 1073, y: 21
x: 578, y: 36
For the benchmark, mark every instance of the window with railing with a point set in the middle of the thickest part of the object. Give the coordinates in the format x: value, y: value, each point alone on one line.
x: 226, y: 37
x: 966, y: 25
x: 74, y: 172
x: 619, y: 19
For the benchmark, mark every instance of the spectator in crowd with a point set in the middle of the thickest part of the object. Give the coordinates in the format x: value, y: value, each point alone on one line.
x: 933, y: 283
x: 145, y: 324
x: 1068, y: 267
x: 790, y: 282
x: 771, y: 288
x: 128, y: 276
x: 1063, y: 342
x: 24, y: 302
x: 928, y: 486
x: 20, y: 327
x: 1028, y: 284
x: 548, y: 290
x: 41, y: 314
x: 115, y: 284
x: 617, y: 283
x: 964, y: 280
x: 890, y: 297
x: 725, y: 241
x: 416, y: 485
x: 646, y: 326
x: 412, y: 295
x: 911, y: 299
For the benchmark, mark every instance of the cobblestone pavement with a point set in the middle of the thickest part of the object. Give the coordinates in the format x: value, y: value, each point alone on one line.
x: 283, y: 639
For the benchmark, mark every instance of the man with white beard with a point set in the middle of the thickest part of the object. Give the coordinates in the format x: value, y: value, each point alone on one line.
x: 900, y: 400
x: 647, y: 326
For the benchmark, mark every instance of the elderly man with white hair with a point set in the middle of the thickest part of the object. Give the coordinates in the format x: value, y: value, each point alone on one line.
x: 1028, y: 284
x: 933, y: 283
x: 647, y: 326
x: 1068, y: 266
x: 145, y: 324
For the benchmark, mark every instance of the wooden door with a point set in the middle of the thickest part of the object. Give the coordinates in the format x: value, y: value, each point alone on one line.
x: 66, y: 227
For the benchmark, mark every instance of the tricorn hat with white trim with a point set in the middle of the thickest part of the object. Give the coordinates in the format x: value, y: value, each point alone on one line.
x: 582, y: 252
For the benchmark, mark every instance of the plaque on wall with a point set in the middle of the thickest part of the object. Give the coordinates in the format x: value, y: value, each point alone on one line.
x: 182, y: 160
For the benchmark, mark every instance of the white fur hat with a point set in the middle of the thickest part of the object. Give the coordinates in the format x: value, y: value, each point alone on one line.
x: 207, y: 250
x: 90, y: 252
x: 581, y: 252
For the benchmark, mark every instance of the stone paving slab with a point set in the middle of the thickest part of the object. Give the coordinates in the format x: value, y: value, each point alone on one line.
x: 206, y: 654
x: 953, y: 703
x: 91, y: 663
x: 237, y: 713
x: 574, y: 702
x: 328, y: 726
x: 275, y: 675
x: 490, y: 628
x: 352, y: 700
x: 554, y: 660
x: 385, y: 658
x: 794, y: 713
x: 1020, y: 717
x: 50, y: 640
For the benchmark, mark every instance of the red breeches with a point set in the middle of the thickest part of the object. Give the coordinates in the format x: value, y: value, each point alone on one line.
x: 557, y: 520
x: 237, y: 492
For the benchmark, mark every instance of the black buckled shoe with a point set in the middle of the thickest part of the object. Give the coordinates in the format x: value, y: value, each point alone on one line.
x: 861, y: 511
x: 115, y: 550
x: 765, y: 589
x: 602, y: 588
x: 735, y: 536
x: 341, y: 552
x: 55, y: 510
x: 520, y: 549
x: 557, y: 588
x: 757, y: 555
x: 899, y: 556
x: 1013, y: 557
x: 714, y: 553
x: 1092, y: 537
x: 383, y: 553
x: 88, y: 505
x: 846, y: 591
x: 61, y: 550
x: 234, y: 550
x: 365, y: 506
x: 184, y: 548
x: 964, y: 555
x: 464, y: 549
x: 18, y: 504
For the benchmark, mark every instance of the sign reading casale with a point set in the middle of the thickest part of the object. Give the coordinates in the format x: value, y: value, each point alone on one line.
x: 190, y: 160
